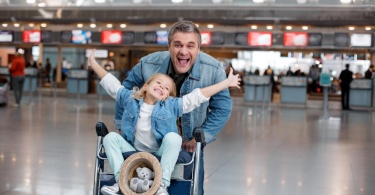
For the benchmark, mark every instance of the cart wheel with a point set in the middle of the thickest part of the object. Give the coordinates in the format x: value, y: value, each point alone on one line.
x: 128, y: 171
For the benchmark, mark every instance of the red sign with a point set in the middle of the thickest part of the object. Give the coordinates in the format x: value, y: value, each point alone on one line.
x: 259, y: 38
x: 295, y: 39
x: 111, y: 37
x: 31, y: 36
x: 206, y: 38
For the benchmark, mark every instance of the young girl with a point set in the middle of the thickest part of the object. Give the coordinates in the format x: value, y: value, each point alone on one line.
x: 149, y: 119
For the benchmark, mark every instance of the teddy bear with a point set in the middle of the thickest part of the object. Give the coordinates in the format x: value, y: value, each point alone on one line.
x: 144, y: 180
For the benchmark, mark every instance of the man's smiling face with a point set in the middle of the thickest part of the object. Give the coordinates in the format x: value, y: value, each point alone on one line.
x: 184, y: 49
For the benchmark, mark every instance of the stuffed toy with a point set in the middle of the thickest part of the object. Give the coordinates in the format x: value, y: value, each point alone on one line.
x: 144, y: 180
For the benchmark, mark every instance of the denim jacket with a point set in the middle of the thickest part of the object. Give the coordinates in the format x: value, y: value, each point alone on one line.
x: 163, y: 116
x: 206, y: 71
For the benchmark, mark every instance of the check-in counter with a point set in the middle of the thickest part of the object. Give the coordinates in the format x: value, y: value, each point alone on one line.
x: 361, y: 93
x: 77, y: 81
x: 257, y: 88
x: 31, y: 79
x: 293, y: 90
x: 99, y: 88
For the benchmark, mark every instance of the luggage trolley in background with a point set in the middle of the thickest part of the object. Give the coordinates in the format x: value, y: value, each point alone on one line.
x: 3, y: 91
x: 185, y: 176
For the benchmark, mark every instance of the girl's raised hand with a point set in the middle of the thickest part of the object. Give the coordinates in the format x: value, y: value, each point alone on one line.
x: 91, y: 59
x: 234, y: 80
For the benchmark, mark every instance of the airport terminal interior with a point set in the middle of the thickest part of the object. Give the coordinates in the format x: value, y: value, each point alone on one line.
x: 287, y: 133
x: 48, y: 146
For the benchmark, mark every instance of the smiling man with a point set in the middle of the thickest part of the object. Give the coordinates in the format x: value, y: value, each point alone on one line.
x: 189, y: 68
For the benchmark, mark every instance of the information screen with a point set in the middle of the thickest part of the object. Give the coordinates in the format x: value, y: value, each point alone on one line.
x: 128, y: 37
x: 162, y: 37
x: 241, y: 38
x: 47, y: 36
x: 31, y: 36
x: 259, y: 39
x: 149, y: 37
x: 361, y: 40
x: 341, y: 40
x: 111, y: 37
x: 206, y: 38
x: 66, y: 36
x: 6, y: 36
x: 217, y: 38
x: 81, y: 36
x: 315, y: 39
x: 295, y: 39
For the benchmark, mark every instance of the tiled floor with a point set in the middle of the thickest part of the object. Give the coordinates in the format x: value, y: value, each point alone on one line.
x: 48, y: 147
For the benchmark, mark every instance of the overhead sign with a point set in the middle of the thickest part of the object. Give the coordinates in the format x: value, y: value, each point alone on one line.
x: 259, y: 39
x: 295, y: 39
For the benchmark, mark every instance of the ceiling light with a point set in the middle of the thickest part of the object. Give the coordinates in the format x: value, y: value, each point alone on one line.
x: 305, y: 28
x: 92, y: 25
x: 122, y: 25
x: 269, y: 27
x: 217, y: 1
x: 177, y: 1
x: 163, y: 26
x: 31, y: 25
x: 258, y: 1
x: 368, y: 28
x: 99, y: 1
x: 30, y: 1
x: 210, y: 26
x: 42, y: 4
x: 346, y: 1
x: 301, y: 1
x: 254, y: 27
x: 5, y: 25
x: 351, y: 28
x: 43, y: 25
x: 79, y: 25
x: 289, y: 27
x: 109, y: 25
x: 16, y: 24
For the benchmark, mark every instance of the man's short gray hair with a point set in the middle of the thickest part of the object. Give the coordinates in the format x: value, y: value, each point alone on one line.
x: 185, y: 27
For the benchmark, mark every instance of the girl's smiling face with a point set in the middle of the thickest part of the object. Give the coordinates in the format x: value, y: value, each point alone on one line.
x: 158, y: 89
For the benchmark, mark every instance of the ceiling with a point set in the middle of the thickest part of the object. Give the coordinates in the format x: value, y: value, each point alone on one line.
x: 324, y: 13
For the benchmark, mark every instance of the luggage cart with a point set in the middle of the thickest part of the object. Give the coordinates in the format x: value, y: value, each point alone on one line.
x: 185, y: 176
x: 3, y: 91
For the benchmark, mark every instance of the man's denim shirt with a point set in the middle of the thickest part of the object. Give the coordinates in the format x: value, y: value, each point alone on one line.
x: 206, y: 71
x: 163, y: 116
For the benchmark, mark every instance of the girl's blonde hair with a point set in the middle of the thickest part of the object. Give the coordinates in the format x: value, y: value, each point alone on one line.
x: 141, y: 93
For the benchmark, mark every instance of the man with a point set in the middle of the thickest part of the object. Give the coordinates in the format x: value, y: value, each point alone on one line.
x: 108, y: 64
x: 346, y: 77
x: 31, y: 63
x: 190, y: 69
x: 368, y: 73
x: 17, y: 71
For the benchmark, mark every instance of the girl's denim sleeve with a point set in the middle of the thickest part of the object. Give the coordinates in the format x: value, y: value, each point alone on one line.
x: 135, y: 78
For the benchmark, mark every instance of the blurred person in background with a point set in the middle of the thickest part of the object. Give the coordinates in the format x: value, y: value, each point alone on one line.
x: 368, y: 73
x: 17, y: 72
x: 31, y: 63
x: 346, y: 77
x: 108, y: 64
x: 47, y: 70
